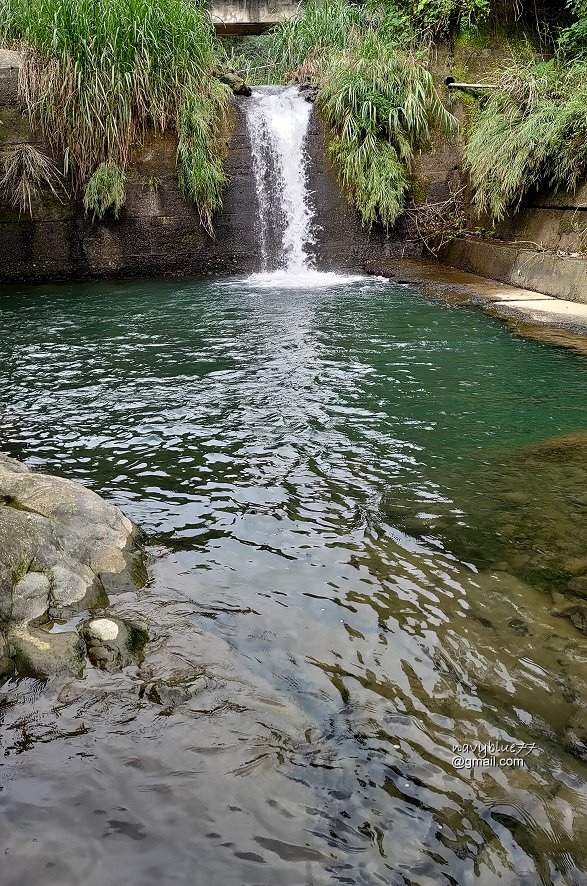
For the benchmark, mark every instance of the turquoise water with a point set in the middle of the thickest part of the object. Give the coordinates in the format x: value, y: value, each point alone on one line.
x: 267, y: 441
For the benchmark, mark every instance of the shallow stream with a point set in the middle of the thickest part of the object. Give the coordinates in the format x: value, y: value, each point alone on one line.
x: 345, y: 510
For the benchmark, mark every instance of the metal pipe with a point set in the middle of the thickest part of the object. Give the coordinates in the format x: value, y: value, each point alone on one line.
x: 452, y: 84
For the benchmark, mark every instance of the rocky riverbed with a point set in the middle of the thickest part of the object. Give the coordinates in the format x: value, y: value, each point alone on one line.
x: 64, y: 552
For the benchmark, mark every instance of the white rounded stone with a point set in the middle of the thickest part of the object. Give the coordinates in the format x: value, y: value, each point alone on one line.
x: 103, y: 628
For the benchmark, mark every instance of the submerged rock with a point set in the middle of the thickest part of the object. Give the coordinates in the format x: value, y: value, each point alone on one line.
x: 61, y: 547
x: 576, y: 735
x: 521, y: 512
x: 41, y: 654
x: 575, y: 612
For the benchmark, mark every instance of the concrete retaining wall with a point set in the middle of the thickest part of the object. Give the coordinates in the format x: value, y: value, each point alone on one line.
x: 559, y: 276
x: 158, y: 232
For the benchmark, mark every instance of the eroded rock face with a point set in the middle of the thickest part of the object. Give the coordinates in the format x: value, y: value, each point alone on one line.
x: 62, y: 548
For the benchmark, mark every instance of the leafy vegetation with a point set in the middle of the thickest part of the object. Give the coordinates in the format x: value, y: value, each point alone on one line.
x: 199, y: 169
x: 438, y: 17
x: 375, y: 92
x: 104, y: 191
x: 98, y: 73
x: 532, y: 132
x: 379, y: 103
x: 573, y: 40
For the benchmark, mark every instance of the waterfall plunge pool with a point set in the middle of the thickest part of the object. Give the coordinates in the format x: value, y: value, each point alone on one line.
x: 359, y: 505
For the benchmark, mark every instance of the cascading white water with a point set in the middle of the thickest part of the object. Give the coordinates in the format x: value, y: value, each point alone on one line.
x: 277, y: 121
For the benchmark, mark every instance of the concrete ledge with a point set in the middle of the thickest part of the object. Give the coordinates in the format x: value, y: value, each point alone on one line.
x: 9, y: 66
x: 559, y: 276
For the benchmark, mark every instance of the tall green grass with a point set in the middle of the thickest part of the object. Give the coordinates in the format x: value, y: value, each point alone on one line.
x: 99, y: 73
x: 531, y: 133
x: 375, y: 93
x: 380, y: 104
x: 319, y: 28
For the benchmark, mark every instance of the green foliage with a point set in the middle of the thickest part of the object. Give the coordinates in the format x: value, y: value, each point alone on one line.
x: 199, y: 169
x: 24, y: 172
x: 438, y: 17
x: 380, y: 104
x: 104, y: 191
x: 532, y: 132
x: 319, y: 28
x: 573, y: 40
x: 98, y: 73
x: 375, y: 93
x: 249, y: 57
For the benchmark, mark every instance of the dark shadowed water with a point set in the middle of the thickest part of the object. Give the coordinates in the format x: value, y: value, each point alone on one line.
x: 345, y: 511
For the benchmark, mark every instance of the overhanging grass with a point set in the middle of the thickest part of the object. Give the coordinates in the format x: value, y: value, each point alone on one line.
x: 98, y: 73
x: 533, y: 132
x: 24, y: 172
x: 104, y: 191
x: 375, y: 93
x: 380, y: 104
x: 200, y: 173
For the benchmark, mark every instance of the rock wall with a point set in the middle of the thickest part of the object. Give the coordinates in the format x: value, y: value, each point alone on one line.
x: 343, y: 242
x: 158, y: 232
x: 543, y: 245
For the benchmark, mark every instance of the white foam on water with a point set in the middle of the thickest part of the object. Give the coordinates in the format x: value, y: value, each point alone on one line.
x: 302, y: 279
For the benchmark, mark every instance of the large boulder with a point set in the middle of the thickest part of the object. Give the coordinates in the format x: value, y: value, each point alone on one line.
x: 62, y: 548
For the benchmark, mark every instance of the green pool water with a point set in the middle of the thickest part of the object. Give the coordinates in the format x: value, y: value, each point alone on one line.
x: 355, y: 526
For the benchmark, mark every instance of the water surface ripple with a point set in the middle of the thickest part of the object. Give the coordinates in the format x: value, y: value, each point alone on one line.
x: 267, y: 441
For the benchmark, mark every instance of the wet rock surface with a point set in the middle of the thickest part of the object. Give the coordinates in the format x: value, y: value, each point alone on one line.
x: 62, y: 548
x: 113, y: 643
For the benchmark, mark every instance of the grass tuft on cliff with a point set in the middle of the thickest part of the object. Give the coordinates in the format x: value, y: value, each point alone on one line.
x: 375, y: 93
x: 98, y: 73
x: 531, y: 133
x: 24, y: 173
x: 104, y: 191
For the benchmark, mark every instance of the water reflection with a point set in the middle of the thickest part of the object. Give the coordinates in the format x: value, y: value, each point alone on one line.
x: 323, y: 632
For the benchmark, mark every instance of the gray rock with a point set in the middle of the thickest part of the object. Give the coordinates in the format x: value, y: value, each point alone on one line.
x: 171, y: 695
x: 79, y: 589
x: 30, y: 598
x: 112, y: 643
x: 10, y: 62
x: 6, y: 663
x: 44, y: 655
x: 60, y: 544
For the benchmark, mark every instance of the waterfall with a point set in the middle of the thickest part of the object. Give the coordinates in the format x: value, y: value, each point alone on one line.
x: 277, y: 121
